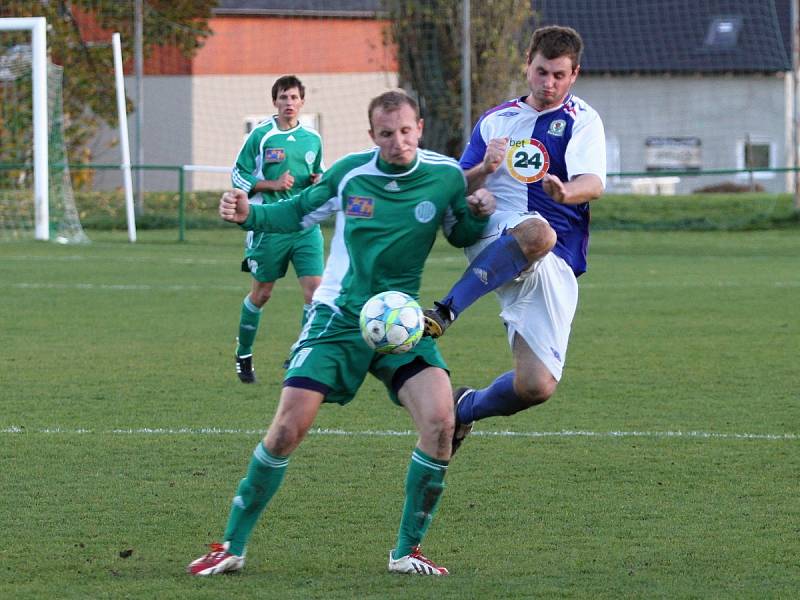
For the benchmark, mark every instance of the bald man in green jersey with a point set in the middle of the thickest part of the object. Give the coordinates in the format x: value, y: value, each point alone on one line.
x: 389, y: 203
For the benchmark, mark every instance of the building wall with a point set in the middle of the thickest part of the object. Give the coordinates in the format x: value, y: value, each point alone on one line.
x: 720, y: 110
x: 343, y: 63
x: 198, y: 118
x: 338, y: 100
x: 257, y: 45
x: 167, y: 134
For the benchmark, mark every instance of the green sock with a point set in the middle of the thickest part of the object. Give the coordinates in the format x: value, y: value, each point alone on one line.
x: 248, y: 327
x: 424, y: 487
x: 264, y: 477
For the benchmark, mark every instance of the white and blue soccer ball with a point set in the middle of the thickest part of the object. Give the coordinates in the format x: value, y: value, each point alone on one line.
x: 392, y: 322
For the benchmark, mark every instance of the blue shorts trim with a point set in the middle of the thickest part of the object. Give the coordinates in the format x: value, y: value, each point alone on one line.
x: 407, y: 371
x: 306, y: 383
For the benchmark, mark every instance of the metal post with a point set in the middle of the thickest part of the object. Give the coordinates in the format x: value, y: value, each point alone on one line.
x: 41, y: 173
x: 138, y: 67
x: 181, y: 205
x: 466, y: 72
x: 124, y: 145
x: 748, y: 163
x: 41, y: 152
x: 795, y: 17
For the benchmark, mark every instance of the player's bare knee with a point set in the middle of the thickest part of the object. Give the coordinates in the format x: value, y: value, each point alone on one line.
x: 535, y: 237
x: 260, y: 297
x: 282, y: 439
x: 439, y: 431
x: 534, y: 391
x: 444, y: 440
x: 308, y: 292
x: 445, y: 427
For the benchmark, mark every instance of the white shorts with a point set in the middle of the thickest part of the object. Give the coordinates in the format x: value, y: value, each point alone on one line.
x: 541, y: 304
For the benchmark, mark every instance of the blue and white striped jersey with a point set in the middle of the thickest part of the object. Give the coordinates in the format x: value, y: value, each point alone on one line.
x: 567, y: 141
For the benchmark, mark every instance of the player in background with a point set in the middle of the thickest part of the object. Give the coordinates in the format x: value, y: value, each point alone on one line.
x: 279, y: 158
x: 389, y: 202
x: 543, y: 157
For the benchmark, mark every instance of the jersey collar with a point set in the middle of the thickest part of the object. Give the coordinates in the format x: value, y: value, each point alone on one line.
x: 391, y: 169
x: 561, y: 106
x: 278, y: 126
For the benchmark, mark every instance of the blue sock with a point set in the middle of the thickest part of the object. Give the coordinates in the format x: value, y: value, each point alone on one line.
x: 499, y: 399
x: 498, y: 263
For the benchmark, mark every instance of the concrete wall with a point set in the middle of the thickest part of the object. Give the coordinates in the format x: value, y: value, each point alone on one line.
x: 720, y: 110
x: 221, y: 103
x: 167, y: 134
x: 200, y: 120
x: 194, y: 110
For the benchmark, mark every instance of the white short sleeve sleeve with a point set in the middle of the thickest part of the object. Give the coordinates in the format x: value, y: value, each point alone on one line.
x: 586, y: 151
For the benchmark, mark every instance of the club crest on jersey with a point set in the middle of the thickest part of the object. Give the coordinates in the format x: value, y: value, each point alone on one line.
x: 425, y: 211
x: 557, y: 128
x: 310, y: 157
x: 359, y: 206
x: 274, y: 155
x: 527, y: 160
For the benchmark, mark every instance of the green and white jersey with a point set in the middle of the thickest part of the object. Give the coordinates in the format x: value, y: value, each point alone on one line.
x: 268, y: 152
x: 387, y: 218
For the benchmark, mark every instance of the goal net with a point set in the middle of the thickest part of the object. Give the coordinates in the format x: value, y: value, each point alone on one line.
x: 17, y: 174
x: 695, y: 97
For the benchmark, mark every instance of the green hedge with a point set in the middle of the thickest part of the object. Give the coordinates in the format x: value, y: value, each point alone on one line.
x: 695, y: 212
x: 106, y: 210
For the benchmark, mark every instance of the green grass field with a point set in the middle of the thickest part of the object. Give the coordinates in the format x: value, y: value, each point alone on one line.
x: 667, y: 465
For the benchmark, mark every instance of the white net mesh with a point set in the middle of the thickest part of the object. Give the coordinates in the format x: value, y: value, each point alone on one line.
x: 686, y: 86
x: 17, y: 211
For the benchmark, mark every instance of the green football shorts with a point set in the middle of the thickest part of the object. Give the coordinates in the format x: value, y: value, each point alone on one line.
x: 267, y: 255
x: 331, y: 351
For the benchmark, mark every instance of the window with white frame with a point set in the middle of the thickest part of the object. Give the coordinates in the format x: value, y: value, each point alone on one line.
x: 756, y: 152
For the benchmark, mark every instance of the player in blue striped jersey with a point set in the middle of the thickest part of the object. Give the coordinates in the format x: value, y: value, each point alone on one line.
x: 543, y: 157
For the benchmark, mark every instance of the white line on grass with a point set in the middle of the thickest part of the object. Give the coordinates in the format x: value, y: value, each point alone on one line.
x: 37, y: 285
x: 689, y: 284
x: 131, y: 259
x: 130, y: 287
x: 391, y: 433
x: 174, y: 259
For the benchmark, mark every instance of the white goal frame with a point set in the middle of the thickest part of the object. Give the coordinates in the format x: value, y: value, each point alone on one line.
x: 38, y: 28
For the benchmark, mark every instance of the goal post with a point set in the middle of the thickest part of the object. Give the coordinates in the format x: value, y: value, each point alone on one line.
x: 38, y: 28
x: 36, y: 195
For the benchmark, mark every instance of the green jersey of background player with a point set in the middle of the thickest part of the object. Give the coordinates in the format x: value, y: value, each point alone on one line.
x: 389, y: 203
x: 279, y: 158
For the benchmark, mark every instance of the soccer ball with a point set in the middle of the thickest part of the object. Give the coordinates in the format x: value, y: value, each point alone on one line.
x: 391, y: 322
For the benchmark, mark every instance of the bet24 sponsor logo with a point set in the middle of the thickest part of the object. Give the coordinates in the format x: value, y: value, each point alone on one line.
x: 527, y: 160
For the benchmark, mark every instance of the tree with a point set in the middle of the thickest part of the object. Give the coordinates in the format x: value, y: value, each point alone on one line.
x: 427, y: 35
x: 79, y: 39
